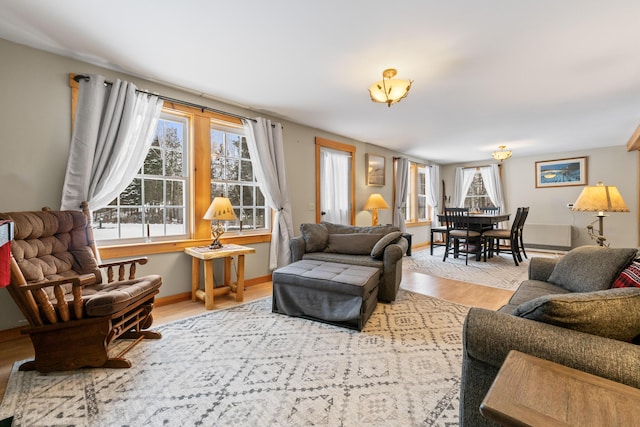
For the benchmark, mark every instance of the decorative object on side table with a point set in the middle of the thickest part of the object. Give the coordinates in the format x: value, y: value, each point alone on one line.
x: 600, y: 198
x: 219, y: 210
x: 373, y: 203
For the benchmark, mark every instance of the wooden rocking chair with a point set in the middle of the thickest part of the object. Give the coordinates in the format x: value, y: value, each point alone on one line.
x: 57, y: 284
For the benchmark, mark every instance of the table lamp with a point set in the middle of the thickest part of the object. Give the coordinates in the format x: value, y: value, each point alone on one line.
x: 375, y: 202
x: 599, y: 198
x: 219, y: 210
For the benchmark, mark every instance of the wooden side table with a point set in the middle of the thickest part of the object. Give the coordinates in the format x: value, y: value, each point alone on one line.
x: 205, y: 253
x: 529, y: 391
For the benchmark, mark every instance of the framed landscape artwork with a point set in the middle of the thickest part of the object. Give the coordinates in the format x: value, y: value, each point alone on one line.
x: 561, y: 172
x: 375, y: 170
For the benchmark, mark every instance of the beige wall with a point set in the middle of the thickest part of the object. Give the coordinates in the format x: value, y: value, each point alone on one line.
x: 611, y: 165
x: 36, y: 131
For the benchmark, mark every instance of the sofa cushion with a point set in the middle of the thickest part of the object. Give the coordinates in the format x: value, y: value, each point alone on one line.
x: 629, y: 277
x: 532, y: 289
x: 591, y: 268
x: 386, y: 240
x: 612, y: 313
x: 315, y: 237
x: 350, y: 229
x: 353, y: 244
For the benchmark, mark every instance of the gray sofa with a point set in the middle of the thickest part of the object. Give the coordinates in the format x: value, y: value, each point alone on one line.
x: 566, y: 313
x: 347, y: 244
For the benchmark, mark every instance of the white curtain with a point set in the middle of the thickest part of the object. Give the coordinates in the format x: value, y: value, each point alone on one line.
x: 433, y: 192
x: 493, y: 185
x: 334, y: 195
x: 463, y: 180
x: 113, y: 130
x: 266, y: 149
x: 402, y: 189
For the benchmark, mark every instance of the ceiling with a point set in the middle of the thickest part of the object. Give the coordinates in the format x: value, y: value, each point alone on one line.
x: 539, y: 76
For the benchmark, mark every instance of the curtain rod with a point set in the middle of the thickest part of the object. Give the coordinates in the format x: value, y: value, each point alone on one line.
x: 202, y: 108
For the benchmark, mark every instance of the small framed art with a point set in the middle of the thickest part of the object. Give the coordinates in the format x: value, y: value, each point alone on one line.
x: 561, y: 172
x: 375, y: 170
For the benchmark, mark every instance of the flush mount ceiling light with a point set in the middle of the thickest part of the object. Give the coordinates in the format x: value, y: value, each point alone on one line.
x: 389, y: 90
x: 502, y: 154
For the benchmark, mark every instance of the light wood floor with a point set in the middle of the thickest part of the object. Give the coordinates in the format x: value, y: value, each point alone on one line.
x: 445, y: 289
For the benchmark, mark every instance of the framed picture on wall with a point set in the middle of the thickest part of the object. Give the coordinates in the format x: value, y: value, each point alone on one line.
x: 375, y: 170
x: 561, y: 172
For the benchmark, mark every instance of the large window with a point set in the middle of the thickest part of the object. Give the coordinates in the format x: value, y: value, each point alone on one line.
x: 232, y: 176
x: 155, y: 204
x: 417, y: 207
x: 477, y: 197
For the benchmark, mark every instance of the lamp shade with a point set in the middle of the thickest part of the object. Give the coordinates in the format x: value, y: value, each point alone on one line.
x: 375, y: 201
x: 221, y: 210
x: 600, y: 198
x: 389, y: 90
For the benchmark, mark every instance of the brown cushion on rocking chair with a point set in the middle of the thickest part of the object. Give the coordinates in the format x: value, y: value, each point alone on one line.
x: 109, y: 298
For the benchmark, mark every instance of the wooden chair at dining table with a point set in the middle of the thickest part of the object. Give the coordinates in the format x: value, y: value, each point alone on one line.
x: 514, y: 235
x: 458, y: 231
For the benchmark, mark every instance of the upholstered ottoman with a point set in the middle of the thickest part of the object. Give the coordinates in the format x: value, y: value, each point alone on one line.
x: 340, y: 294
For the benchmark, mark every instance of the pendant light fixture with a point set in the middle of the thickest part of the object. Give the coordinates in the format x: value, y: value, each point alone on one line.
x: 389, y: 90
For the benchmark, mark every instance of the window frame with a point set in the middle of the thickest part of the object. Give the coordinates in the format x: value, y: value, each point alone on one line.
x: 413, y: 196
x: 199, y: 190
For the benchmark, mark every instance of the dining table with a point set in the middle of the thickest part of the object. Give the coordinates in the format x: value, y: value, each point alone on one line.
x: 481, y: 222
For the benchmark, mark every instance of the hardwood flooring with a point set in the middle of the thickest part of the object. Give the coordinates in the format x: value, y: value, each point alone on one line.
x: 445, y: 289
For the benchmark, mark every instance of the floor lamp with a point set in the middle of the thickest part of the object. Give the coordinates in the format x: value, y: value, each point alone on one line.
x: 375, y: 202
x: 600, y: 198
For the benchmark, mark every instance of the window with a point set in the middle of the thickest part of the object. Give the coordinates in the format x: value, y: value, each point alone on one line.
x: 154, y: 205
x: 477, y: 196
x: 417, y: 208
x: 196, y: 154
x: 232, y: 176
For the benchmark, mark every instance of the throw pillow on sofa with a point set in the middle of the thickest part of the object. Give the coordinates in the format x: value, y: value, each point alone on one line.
x: 315, y: 237
x: 630, y: 276
x: 591, y: 268
x: 612, y: 313
x: 388, y: 239
x: 352, y: 244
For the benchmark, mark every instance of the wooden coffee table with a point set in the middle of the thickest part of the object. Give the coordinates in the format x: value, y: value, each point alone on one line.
x: 529, y: 391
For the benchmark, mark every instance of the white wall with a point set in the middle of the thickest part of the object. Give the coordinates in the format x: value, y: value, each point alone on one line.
x: 611, y: 165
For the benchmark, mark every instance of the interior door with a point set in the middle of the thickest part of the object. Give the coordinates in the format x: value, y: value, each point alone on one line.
x: 335, y: 182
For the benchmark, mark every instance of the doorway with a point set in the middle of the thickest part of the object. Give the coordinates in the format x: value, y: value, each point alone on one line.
x: 335, y: 182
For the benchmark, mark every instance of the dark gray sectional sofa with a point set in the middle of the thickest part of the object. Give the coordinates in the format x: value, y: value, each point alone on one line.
x: 566, y: 313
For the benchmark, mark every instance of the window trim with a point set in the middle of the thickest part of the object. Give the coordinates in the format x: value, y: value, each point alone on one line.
x: 412, y: 204
x: 199, y: 187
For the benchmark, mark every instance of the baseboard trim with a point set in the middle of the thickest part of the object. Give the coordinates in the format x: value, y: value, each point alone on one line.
x: 185, y: 296
x: 11, y: 334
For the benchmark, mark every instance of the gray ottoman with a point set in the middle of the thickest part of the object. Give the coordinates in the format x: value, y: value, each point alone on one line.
x: 340, y: 294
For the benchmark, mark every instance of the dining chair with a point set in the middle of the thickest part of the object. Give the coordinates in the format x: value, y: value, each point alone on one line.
x: 493, y: 237
x: 441, y: 230
x: 457, y: 221
x: 490, y: 210
x: 525, y: 213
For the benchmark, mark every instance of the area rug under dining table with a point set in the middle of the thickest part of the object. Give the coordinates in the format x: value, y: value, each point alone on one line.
x: 247, y: 366
x: 499, y: 271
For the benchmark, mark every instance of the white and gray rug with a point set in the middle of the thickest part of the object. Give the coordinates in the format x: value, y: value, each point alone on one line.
x: 246, y: 366
x: 498, y: 272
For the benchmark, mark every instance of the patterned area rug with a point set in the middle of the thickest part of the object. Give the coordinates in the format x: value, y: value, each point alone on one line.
x: 246, y: 366
x: 498, y: 272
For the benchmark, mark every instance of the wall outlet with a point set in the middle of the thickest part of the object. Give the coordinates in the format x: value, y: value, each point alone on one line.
x: 570, y: 205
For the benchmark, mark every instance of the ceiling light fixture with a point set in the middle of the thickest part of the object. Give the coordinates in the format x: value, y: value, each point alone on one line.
x: 501, y: 155
x: 389, y: 90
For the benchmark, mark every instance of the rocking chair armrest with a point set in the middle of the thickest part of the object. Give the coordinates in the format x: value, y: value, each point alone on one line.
x: 121, y: 268
x: 75, y: 281
x: 141, y: 261
x: 37, y: 290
